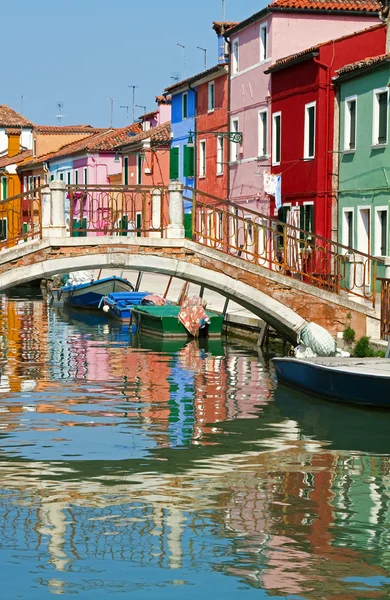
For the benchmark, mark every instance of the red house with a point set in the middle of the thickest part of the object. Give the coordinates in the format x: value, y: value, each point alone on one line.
x: 303, y: 132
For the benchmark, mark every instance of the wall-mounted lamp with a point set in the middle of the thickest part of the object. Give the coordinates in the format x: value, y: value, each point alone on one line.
x: 116, y: 159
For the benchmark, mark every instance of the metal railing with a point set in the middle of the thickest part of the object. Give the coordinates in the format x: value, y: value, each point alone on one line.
x: 282, y: 247
x: 21, y: 218
x: 385, y: 309
x: 132, y: 211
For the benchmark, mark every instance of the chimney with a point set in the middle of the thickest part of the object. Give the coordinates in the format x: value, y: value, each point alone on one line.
x: 13, y: 141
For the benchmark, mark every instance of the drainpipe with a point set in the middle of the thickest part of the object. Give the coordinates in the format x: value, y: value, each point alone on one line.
x: 326, y: 187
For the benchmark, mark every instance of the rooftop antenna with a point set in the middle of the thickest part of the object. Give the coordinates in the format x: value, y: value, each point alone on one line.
x: 205, y: 56
x: 175, y: 76
x: 126, y: 106
x: 60, y: 106
x: 183, y: 49
x: 133, y: 105
x: 111, y: 110
x: 223, y: 17
x: 21, y: 103
x: 143, y: 107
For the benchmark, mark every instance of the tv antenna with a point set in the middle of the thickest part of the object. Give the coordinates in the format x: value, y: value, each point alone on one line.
x: 126, y: 107
x: 60, y: 106
x: 111, y: 110
x: 183, y: 49
x: 175, y: 76
x: 205, y: 56
x: 133, y: 102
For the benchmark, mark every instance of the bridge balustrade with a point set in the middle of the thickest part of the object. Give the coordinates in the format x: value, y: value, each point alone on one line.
x: 21, y: 218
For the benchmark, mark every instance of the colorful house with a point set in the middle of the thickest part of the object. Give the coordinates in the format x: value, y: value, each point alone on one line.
x: 364, y: 156
x: 282, y: 28
x: 303, y: 101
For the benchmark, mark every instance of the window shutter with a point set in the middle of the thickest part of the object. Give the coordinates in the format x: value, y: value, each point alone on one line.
x: 174, y: 164
x: 189, y: 162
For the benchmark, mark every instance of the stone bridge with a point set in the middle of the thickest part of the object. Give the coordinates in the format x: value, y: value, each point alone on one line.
x: 284, y: 302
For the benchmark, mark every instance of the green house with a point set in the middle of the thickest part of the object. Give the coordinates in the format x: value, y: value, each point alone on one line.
x: 364, y: 157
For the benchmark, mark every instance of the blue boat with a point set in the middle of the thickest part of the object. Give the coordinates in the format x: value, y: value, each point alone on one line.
x: 361, y: 381
x: 89, y: 295
x: 120, y: 304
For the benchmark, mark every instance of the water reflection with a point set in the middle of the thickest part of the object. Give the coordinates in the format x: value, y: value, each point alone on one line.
x: 158, y: 468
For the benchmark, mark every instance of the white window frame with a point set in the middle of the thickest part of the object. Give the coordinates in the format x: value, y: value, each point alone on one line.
x: 202, y: 159
x: 234, y: 151
x: 220, y: 154
x: 263, y: 47
x: 344, y: 227
x: 306, y: 154
x: 347, y: 123
x: 274, y: 117
x: 378, y: 231
x: 182, y: 105
x: 211, y: 97
x: 261, y: 151
x: 375, y: 117
x: 235, y: 56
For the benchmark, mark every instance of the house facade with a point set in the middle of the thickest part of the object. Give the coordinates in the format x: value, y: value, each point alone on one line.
x: 283, y: 28
x: 364, y: 156
x: 302, y: 123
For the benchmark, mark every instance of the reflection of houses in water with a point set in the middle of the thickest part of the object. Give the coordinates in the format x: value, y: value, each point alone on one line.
x: 249, y: 386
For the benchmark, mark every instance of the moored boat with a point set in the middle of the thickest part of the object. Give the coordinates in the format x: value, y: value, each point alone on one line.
x: 120, y: 304
x: 164, y: 321
x: 89, y: 295
x: 362, y: 381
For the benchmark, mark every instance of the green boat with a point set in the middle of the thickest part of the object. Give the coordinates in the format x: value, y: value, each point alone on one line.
x: 162, y: 321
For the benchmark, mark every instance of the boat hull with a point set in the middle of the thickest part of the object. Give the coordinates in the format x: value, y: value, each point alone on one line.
x: 89, y: 295
x: 122, y: 304
x: 162, y: 321
x: 341, y: 384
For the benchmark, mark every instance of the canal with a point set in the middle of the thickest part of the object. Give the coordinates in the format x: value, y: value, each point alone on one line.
x: 149, y: 469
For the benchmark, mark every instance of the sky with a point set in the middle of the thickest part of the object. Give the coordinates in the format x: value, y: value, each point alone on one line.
x: 83, y: 52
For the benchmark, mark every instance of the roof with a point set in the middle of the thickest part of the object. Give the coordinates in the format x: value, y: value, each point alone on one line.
x: 149, y: 115
x: 163, y: 99
x: 298, y: 57
x: 363, y: 65
x: 194, y: 78
x: 103, y: 141
x: 157, y: 135
x: 10, y: 118
x: 226, y: 25
x: 55, y: 129
x: 5, y: 161
x: 346, y: 7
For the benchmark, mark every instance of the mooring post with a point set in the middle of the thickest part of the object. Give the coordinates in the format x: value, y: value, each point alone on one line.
x: 175, y: 227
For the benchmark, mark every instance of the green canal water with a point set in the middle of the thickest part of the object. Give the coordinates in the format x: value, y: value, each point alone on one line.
x: 144, y: 469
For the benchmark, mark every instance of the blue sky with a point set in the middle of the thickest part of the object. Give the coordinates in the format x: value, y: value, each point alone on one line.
x: 82, y: 52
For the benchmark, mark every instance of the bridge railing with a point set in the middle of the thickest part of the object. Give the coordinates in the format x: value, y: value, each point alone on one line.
x: 21, y: 218
x: 117, y: 210
x: 282, y: 247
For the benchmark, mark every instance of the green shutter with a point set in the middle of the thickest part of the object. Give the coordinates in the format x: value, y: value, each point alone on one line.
x: 51, y: 177
x: 68, y: 178
x: 61, y: 176
x: 76, y: 177
x: 126, y: 170
x: 3, y: 229
x: 174, y: 164
x: 189, y: 163
x: 4, y: 188
x: 124, y: 225
x: 382, y: 133
x: 138, y: 223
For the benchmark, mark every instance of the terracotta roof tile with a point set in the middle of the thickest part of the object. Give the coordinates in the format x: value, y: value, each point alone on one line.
x: 163, y: 99
x: 333, y: 5
x: 362, y: 64
x: 54, y: 129
x: 217, y: 26
x: 5, y: 161
x: 215, y: 69
x: 157, y: 135
x: 10, y: 118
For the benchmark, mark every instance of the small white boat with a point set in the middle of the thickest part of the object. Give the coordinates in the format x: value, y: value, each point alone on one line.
x: 363, y: 381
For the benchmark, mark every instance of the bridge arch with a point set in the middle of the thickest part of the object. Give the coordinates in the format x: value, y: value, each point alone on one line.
x: 283, y: 319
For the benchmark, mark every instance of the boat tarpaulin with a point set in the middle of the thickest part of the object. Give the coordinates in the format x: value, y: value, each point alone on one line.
x: 193, y: 315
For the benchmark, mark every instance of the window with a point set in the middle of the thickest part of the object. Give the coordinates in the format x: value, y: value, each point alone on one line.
x: 310, y: 128
x: 61, y: 177
x: 306, y: 217
x: 68, y: 178
x: 276, y: 138
x: 85, y: 176
x: 380, y: 119
x: 76, y: 177
x: 126, y: 170
x: 30, y: 182
x: 235, y: 65
x: 263, y: 133
x: 174, y: 163
x: 185, y: 105
x: 4, y: 187
x: 211, y: 103
x: 140, y: 159
x: 34, y: 147
x: 25, y: 184
x: 233, y: 145
x: 220, y: 154
x: 189, y: 161
x: 39, y: 181
x: 350, y: 124
x: 347, y: 229
x: 202, y: 158
x: 3, y: 229
x: 52, y: 177
x: 381, y: 228
x: 263, y: 42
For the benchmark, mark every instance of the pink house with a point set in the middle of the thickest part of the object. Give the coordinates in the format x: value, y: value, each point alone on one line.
x: 282, y: 28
